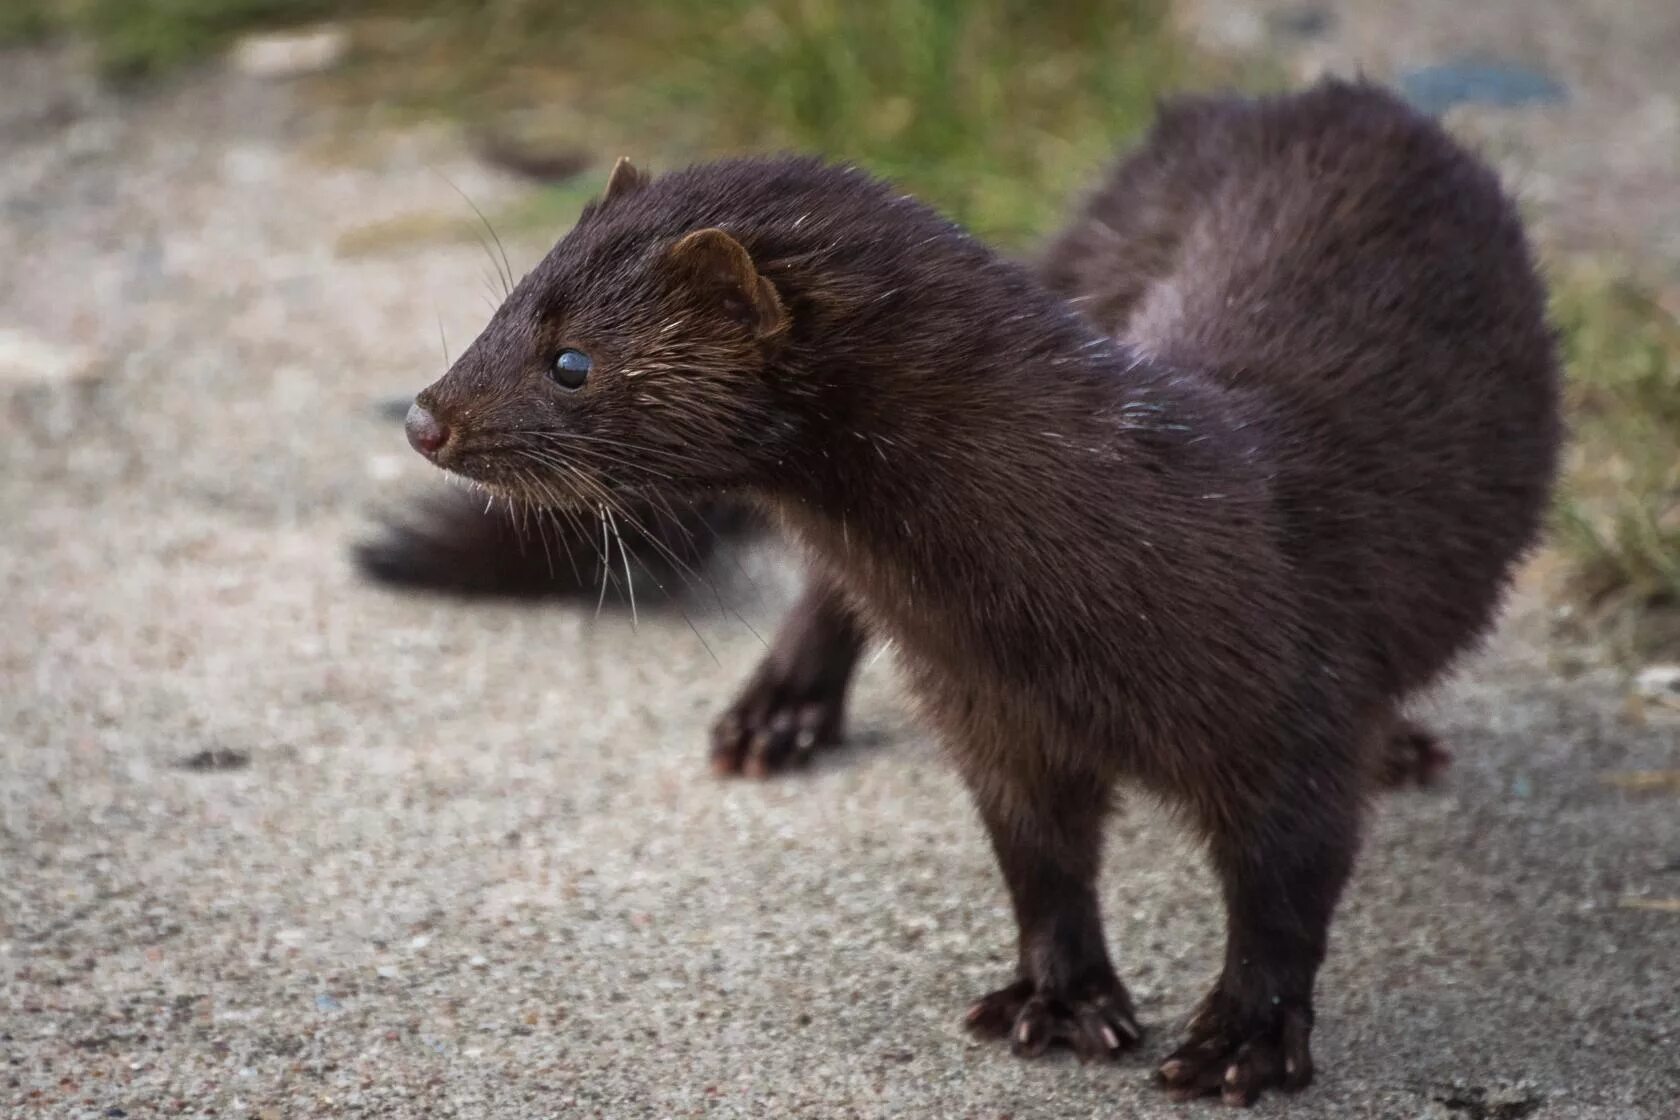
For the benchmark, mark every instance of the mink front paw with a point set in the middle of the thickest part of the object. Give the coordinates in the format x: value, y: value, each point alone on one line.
x: 1095, y: 1020
x: 1236, y: 1054
x: 776, y: 722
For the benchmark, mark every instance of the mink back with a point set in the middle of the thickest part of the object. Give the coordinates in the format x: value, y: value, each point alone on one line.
x: 1341, y: 256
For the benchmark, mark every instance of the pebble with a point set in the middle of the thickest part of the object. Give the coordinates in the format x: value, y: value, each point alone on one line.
x: 393, y: 408
x: 1477, y: 81
x: 1308, y: 22
x: 216, y: 758
x: 385, y: 468
x: 1658, y: 682
x: 28, y: 359
x: 291, y: 54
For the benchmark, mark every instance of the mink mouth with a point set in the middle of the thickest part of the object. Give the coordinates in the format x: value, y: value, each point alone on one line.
x: 534, y: 476
x: 541, y: 491
x: 576, y: 490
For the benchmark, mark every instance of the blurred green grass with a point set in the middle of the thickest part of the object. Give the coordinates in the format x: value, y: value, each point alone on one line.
x: 1618, y: 515
x: 24, y: 21
x: 994, y: 109
x: 134, y: 38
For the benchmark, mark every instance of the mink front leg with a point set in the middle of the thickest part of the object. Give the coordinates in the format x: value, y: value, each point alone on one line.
x: 795, y: 701
x: 1283, y: 854
x: 1048, y: 844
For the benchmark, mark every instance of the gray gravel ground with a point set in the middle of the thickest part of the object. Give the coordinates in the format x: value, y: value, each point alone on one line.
x: 1601, y: 167
x: 466, y: 860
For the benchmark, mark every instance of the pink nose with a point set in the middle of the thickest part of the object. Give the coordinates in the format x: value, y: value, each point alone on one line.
x: 425, y: 434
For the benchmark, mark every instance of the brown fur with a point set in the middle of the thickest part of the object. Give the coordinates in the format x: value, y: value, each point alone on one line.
x: 1201, y: 536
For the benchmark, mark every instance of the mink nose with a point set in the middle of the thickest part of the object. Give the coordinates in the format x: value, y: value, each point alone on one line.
x: 425, y: 433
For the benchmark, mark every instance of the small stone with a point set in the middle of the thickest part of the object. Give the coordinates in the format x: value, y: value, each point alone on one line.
x: 1656, y: 682
x: 1308, y: 22
x: 385, y: 468
x: 28, y: 359
x: 290, y: 54
x: 533, y: 152
x: 1478, y: 81
x: 1231, y: 27
x: 216, y: 758
x: 387, y: 971
x: 326, y: 1003
x: 394, y: 408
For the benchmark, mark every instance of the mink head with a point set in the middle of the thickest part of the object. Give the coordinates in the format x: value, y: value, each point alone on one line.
x: 638, y: 355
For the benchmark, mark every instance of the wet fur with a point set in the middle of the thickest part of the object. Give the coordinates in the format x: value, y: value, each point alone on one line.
x: 1194, y: 512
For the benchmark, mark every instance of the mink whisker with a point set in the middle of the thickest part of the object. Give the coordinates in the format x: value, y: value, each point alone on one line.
x: 506, y: 274
x: 623, y: 554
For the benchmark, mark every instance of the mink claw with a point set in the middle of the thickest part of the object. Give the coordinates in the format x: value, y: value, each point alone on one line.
x: 1236, y: 1057
x: 1095, y: 1023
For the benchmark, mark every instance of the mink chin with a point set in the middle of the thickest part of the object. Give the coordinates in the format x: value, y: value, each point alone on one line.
x: 1191, y: 507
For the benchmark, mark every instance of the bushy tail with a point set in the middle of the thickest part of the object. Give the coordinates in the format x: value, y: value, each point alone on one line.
x: 448, y: 543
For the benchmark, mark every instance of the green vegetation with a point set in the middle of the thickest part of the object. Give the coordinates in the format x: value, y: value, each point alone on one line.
x: 140, y: 37
x: 1619, y: 515
x: 145, y: 37
x: 25, y: 21
x: 995, y: 109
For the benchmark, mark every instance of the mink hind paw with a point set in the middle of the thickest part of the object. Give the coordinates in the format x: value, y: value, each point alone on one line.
x: 1412, y: 755
x: 1236, y: 1054
x: 776, y: 723
x: 1094, y: 1021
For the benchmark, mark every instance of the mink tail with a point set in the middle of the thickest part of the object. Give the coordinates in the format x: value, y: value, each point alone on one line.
x: 450, y: 544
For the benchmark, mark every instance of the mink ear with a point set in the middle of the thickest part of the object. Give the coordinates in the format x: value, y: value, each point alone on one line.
x: 715, y: 263
x: 624, y: 180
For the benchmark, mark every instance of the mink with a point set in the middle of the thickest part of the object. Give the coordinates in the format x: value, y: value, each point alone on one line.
x: 1190, y: 509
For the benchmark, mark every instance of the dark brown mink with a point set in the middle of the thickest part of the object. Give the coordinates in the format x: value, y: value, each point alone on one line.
x: 1199, y: 537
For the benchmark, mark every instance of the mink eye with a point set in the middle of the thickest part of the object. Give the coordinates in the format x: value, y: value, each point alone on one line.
x: 571, y: 368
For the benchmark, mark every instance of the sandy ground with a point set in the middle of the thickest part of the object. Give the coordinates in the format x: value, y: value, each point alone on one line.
x: 466, y: 860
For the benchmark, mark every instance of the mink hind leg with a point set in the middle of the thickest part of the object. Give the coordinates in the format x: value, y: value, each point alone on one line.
x: 794, y: 703
x: 1282, y: 858
x: 1048, y: 845
x: 1410, y: 754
